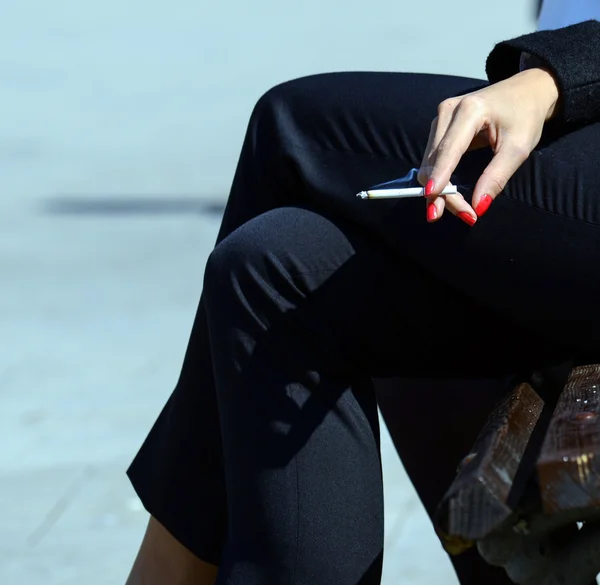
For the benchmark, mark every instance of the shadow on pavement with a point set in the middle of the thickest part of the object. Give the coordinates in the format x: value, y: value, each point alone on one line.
x: 112, y: 205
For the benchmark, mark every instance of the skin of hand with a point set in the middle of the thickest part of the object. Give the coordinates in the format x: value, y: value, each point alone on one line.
x: 507, y: 116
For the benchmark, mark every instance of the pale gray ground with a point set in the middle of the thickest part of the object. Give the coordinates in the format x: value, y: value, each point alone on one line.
x: 120, y: 123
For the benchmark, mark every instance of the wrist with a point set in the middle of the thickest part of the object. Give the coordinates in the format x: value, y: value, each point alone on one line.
x: 545, y: 87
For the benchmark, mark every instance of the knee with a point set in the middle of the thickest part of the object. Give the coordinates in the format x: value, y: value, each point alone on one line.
x: 271, y: 250
x: 270, y: 120
x: 245, y: 254
x: 281, y: 108
x: 233, y: 255
x: 285, y: 95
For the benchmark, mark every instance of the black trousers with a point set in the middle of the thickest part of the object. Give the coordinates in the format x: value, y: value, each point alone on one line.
x: 265, y: 460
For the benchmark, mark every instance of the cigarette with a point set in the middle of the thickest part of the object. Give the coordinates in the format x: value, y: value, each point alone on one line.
x: 400, y: 193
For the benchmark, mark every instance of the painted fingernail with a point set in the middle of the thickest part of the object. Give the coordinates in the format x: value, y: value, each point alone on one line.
x: 468, y: 219
x: 431, y: 212
x: 429, y: 187
x: 483, y: 205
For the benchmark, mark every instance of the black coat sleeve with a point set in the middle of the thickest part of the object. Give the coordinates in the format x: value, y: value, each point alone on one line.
x: 572, y: 54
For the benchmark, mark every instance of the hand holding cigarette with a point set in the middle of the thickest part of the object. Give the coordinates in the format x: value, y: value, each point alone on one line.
x: 507, y: 116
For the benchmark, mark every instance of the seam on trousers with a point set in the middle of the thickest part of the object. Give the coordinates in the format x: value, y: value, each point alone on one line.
x: 297, y: 515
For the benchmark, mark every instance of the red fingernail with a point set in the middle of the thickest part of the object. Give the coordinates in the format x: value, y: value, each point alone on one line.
x: 468, y: 219
x: 431, y: 212
x: 483, y: 205
x: 429, y: 187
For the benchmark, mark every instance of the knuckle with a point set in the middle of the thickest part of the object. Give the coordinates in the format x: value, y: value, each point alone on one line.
x: 473, y: 103
x: 520, y: 152
x: 447, y: 106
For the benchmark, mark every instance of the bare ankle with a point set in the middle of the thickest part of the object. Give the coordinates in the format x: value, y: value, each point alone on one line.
x: 162, y: 560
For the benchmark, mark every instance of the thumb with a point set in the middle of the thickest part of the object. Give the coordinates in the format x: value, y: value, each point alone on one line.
x: 496, y: 175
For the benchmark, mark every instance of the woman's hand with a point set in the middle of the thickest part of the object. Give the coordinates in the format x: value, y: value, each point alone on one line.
x: 507, y: 116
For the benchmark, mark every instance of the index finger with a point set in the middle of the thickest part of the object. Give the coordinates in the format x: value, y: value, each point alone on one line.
x: 452, y: 145
x: 424, y: 170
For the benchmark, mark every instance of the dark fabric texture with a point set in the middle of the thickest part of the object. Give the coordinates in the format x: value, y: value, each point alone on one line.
x: 572, y: 54
x: 265, y: 459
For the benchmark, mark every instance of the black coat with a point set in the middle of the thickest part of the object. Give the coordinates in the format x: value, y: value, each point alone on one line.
x: 572, y: 54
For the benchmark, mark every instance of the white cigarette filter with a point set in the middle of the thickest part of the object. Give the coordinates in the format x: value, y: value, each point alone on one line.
x: 401, y: 193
